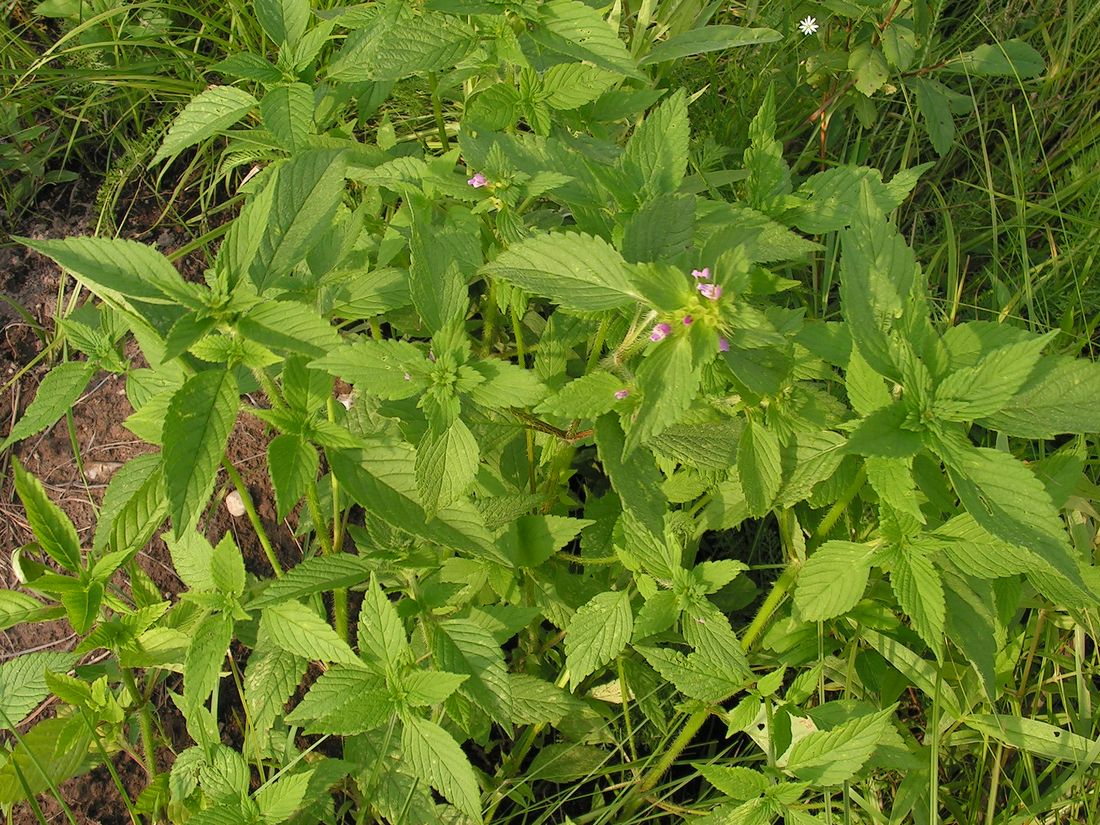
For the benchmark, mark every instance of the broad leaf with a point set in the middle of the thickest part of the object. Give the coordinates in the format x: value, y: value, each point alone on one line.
x: 833, y: 580
x: 707, y: 39
x: 597, y: 634
x: 436, y: 758
x: 59, y: 390
x: 208, y: 113
x: 53, y: 529
x: 298, y: 630
x: 834, y: 756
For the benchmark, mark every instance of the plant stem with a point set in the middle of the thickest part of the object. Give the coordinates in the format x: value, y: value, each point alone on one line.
x: 145, y: 722
x: 253, y: 516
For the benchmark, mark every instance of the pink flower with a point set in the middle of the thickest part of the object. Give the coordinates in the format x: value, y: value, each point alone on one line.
x: 660, y: 332
x: 478, y: 180
x: 688, y: 320
x: 723, y: 345
x: 621, y: 394
x: 711, y: 291
x: 701, y: 274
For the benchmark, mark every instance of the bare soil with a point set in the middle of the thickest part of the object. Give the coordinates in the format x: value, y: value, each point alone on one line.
x: 35, y: 284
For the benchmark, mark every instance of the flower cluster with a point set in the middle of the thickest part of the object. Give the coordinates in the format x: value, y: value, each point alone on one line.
x: 705, y: 287
x: 478, y: 180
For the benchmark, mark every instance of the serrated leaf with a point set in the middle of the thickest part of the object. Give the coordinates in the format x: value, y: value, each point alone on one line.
x: 446, y: 463
x: 587, y: 397
x: 284, y: 21
x: 208, y: 113
x: 304, y: 197
x: 279, y: 800
x: 343, y: 702
x: 569, y: 85
x: 1008, y: 501
x: 442, y: 260
x: 16, y: 608
x: 919, y: 591
x: 287, y: 112
x: 695, y: 675
x: 202, y: 667
x: 292, y: 463
x: 668, y: 382
x: 657, y: 152
x: 59, y: 390
x: 382, y: 479
x: 635, y: 478
x: 573, y: 28
x: 535, y: 701
x: 833, y: 580
x: 298, y: 630
x: 868, y: 67
x: 735, y: 782
x: 576, y: 271
x: 53, y: 529
x: 505, y: 385
x: 834, y: 756
x: 196, y: 431
x: 658, y: 614
x: 1060, y: 398
x: 707, y: 39
x: 935, y: 113
x: 987, y: 387
x: 270, y: 678
x: 662, y: 228
x: 49, y: 753
x: 401, y: 43
x: 248, y: 66
x: 117, y: 268
x: 758, y: 467
x: 227, y: 567
x: 597, y: 633
x: 23, y: 683
x: 436, y: 757
x: 881, y: 434
x: 462, y: 647
x: 380, y: 632
x: 315, y: 575
x: 378, y: 367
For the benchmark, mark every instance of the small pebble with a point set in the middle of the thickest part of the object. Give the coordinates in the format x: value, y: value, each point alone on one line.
x: 234, y: 504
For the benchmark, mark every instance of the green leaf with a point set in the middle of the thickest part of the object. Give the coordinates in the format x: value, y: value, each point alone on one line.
x: 656, y: 154
x: 436, y: 757
x: 868, y: 67
x: 292, y: 462
x: 1060, y: 398
x: 343, y: 702
x: 305, y: 195
x: 919, y: 592
x: 635, y: 478
x: 892, y: 479
x: 196, y: 431
x: 82, y: 605
x: 284, y: 21
x: 287, y: 112
x: 935, y: 113
x: 248, y: 66
x: 280, y: 799
x: 833, y: 580
x: 882, y: 434
x: 597, y: 633
x: 227, y: 567
x: 1036, y: 737
x: 378, y: 367
x: 587, y: 397
x: 834, y: 756
x: 59, y: 390
x: 443, y: 260
x: 462, y: 647
x: 23, y: 683
x: 876, y: 279
x: 115, y: 268
x: 577, y: 30
x: 696, y: 675
x: 972, y: 624
x: 16, y: 608
x: 707, y: 39
x: 658, y: 614
x: 52, y: 528
x: 208, y: 113
x: 505, y: 385
x: 668, y: 382
x: 569, y: 85
x: 1008, y: 501
x: 531, y: 540
x: 769, y: 175
x: 49, y: 753
x: 537, y: 702
x: 127, y: 503
x: 987, y: 387
x: 576, y: 271
x: 401, y: 43
x: 834, y: 196
x: 1012, y: 58
x: 567, y: 762
x: 662, y: 228
x: 192, y: 557
x: 758, y: 466
x: 381, y: 634
x: 298, y: 630
x: 735, y: 782
x: 202, y: 668
x: 270, y: 678
x: 382, y: 480
x: 446, y: 463
x: 319, y: 574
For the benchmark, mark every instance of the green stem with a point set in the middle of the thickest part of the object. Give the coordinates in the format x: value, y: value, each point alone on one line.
x: 521, y: 356
x: 145, y: 721
x: 314, y: 504
x: 840, y: 505
x: 437, y: 111
x: 253, y: 516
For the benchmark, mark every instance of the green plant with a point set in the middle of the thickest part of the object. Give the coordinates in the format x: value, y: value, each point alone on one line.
x: 574, y: 372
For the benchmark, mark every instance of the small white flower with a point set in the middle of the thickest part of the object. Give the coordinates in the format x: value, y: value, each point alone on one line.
x: 808, y: 26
